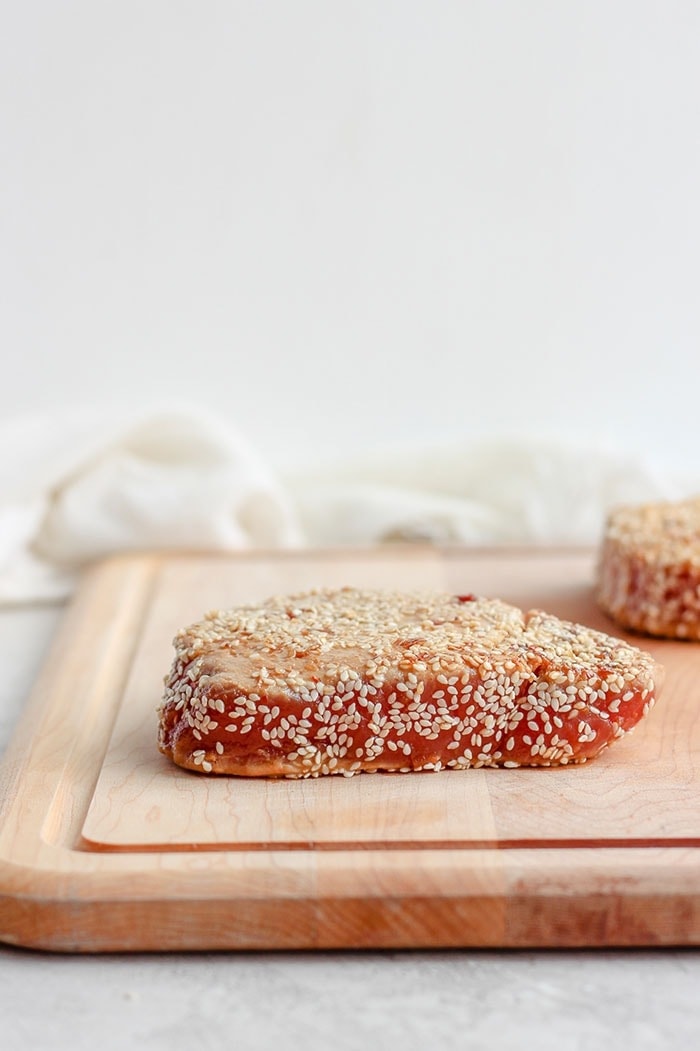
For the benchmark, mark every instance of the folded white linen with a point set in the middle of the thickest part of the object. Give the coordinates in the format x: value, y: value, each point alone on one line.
x: 77, y: 487
x: 529, y: 490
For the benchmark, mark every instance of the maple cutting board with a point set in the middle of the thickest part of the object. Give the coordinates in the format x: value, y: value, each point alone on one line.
x: 104, y: 844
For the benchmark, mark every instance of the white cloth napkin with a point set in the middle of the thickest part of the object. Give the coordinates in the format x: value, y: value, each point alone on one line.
x: 504, y: 491
x: 75, y: 488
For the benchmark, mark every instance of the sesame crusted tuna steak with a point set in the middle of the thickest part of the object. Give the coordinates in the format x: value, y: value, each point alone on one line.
x: 337, y: 682
x: 649, y: 568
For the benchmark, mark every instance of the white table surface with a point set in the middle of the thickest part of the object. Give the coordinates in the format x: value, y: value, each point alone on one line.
x: 478, y: 999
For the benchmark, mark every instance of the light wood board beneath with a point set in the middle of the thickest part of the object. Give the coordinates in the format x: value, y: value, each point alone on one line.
x: 95, y: 818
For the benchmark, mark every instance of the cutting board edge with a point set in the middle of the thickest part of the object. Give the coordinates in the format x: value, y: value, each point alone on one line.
x: 89, y: 912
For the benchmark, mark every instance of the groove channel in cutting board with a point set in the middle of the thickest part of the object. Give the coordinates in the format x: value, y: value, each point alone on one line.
x: 643, y: 790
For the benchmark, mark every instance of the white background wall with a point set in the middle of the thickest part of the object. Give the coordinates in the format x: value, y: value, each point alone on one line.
x: 344, y: 224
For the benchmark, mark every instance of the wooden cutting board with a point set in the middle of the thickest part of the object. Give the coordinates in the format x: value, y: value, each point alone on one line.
x: 104, y: 844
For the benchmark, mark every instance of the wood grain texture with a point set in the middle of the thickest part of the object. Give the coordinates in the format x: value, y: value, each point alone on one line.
x: 104, y: 844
